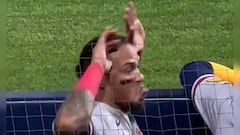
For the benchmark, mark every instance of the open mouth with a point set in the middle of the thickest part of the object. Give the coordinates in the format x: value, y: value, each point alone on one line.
x: 144, y: 92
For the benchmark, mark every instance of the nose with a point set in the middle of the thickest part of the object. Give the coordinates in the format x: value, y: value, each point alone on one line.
x: 139, y: 77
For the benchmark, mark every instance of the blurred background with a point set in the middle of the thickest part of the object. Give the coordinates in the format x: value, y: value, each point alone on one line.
x: 45, y: 38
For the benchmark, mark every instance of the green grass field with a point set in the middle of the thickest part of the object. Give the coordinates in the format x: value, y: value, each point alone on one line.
x: 45, y: 37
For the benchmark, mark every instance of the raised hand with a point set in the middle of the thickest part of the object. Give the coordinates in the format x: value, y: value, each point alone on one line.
x: 99, y: 52
x: 134, y: 27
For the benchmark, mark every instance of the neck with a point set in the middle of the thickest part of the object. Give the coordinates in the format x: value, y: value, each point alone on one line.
x: 106, y: 97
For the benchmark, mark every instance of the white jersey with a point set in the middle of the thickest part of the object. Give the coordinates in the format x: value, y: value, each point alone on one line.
x: 107, y: 120
x: 110, y: 121
x: 214, y: 99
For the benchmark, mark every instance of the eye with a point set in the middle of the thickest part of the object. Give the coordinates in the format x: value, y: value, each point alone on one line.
x: 112, y: 50
x: 131, y: 67
x: 124, y: 82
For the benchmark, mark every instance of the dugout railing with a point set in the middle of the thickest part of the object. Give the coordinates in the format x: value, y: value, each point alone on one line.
x: 167, y: 112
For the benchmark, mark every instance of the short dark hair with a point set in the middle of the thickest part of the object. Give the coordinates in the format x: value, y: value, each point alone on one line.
x: 86, y: 54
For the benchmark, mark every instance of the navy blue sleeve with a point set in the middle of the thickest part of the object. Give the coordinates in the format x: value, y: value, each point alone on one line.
x: 191, y: 72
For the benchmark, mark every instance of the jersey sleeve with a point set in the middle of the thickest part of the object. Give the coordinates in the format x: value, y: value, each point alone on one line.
x: 211, y: 95
x: 213, y: 99
x: 191, y: 72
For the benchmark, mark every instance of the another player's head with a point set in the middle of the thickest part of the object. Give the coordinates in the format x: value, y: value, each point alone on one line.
x: 122, y: 86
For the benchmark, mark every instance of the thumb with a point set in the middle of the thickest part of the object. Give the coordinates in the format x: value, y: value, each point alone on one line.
x: 108, y: 66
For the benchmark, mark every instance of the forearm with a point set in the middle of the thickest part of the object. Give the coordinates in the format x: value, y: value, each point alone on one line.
x: 75, y: 113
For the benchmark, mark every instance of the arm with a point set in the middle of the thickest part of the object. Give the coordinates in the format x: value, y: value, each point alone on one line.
x: 211, y: 95
x: 194, y: 70
x: 74, y: 115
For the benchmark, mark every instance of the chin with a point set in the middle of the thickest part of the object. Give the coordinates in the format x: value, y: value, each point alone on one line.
x: 137, y: 106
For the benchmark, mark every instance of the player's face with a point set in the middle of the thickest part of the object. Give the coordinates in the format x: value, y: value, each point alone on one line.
x: 126, y: 78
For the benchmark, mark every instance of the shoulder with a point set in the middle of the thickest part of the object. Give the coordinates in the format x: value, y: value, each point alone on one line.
x: 100, y: 109
x: 211, y: 86
x: 106, y: 120
x: 214, y: 95
x: 102, y: 116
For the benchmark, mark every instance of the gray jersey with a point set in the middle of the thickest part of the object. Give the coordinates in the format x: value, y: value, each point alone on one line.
x: 107, y: 120
x: 214, y: 100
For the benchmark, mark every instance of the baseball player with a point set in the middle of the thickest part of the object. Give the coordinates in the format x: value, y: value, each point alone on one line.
x: 110, y: 84
x: 210, y: 86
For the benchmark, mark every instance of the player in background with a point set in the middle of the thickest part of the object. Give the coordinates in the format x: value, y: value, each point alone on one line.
x: 112, y: 77
x: 210, y: 86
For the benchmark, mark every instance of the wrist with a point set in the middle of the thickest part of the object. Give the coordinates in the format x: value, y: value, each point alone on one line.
x: 99, y: 62
x: 91, y: 79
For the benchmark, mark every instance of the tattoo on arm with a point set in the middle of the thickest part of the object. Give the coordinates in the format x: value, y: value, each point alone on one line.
x: 77, y: 102
x: 77, y: 108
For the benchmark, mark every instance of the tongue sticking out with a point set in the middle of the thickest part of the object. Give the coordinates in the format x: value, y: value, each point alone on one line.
x: 144, y: 92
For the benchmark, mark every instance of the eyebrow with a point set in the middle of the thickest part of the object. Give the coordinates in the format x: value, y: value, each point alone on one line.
x: 129, y: 64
